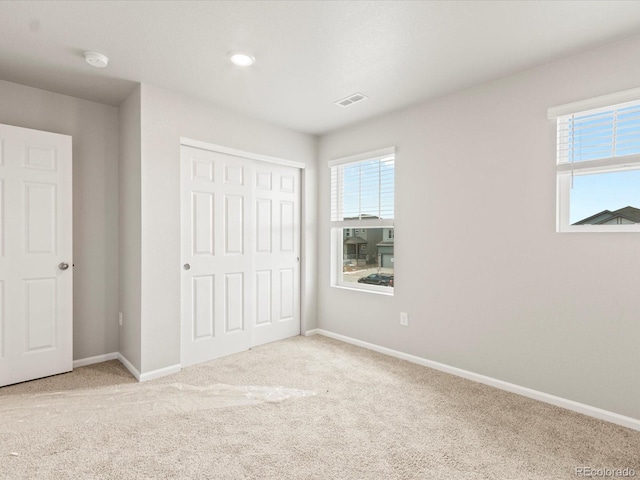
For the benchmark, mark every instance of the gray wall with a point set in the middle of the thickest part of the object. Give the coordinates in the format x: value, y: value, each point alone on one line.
x: 130, y: 227
x: 165, y: 118
x: 497, y: 291
x: 94, y: 128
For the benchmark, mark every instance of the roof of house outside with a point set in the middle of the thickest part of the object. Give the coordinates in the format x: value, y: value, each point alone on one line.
x: 354, y: 241
x: 629, y: 213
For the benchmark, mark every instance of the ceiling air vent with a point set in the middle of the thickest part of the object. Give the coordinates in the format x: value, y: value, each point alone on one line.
x: 351, y: 99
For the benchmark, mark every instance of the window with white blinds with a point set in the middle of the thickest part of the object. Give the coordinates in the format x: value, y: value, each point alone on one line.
x: 362, y: 189
x: 598, y: 164
x: 600, y: 133
x: 362, y: 216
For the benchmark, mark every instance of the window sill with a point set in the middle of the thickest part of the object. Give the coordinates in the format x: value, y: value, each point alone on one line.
x: 377, y: 291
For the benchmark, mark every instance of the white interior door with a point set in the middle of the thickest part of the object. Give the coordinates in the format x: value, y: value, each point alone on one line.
x: 36, y: 279
x: 276, y: 254
x: 240, y: 251
x: 216, y: 255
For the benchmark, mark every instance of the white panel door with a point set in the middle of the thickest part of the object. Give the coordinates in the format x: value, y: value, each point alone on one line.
x: 240, y: 251
x: 216, y: 255
x: 276, y: 253
x: 36, y: 278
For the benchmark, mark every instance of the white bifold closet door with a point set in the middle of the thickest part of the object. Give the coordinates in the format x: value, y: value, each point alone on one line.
x: 240, y: 253
x: 36, y: 278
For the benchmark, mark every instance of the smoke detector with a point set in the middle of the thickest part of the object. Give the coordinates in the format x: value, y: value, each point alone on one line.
x: 96, y: 59
x: 351, y: 99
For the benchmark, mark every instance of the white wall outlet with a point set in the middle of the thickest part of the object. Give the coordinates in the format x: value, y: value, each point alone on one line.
x: 120, y: 318
x: 404, y: 319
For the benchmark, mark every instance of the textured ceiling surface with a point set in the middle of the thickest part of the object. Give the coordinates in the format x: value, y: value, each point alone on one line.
x: 309, y: 53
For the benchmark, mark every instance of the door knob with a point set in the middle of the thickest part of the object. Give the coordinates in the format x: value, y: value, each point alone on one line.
x: 297, y: 259
x: 186, y: 266
x: 63, y: 266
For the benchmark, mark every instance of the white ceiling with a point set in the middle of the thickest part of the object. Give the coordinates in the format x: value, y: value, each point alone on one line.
x: 309, y: 53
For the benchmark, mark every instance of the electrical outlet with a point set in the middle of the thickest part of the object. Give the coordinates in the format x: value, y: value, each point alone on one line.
x: 120, y: 318
x: 404, y: 319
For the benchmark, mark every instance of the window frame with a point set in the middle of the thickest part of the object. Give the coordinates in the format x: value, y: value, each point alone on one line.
x: 566, y: 170
x: 337, y: 226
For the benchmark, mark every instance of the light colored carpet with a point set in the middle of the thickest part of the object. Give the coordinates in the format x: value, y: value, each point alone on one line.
x: 342, y: 413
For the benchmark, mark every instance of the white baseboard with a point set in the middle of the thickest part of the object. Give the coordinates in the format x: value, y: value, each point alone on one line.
x: 141, y: 377
x: 588, y: 410
x: 129, y: 366
x: 83, y: 362
x: 161, y: 372
x: 310, y: 333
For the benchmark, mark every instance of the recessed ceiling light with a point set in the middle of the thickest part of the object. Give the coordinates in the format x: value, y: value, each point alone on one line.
x: 96, y: 59
x: 241, y: 59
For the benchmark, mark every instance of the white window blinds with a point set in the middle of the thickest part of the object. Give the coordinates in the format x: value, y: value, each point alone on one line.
x: 363, y: 189
x: 602, y: 133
